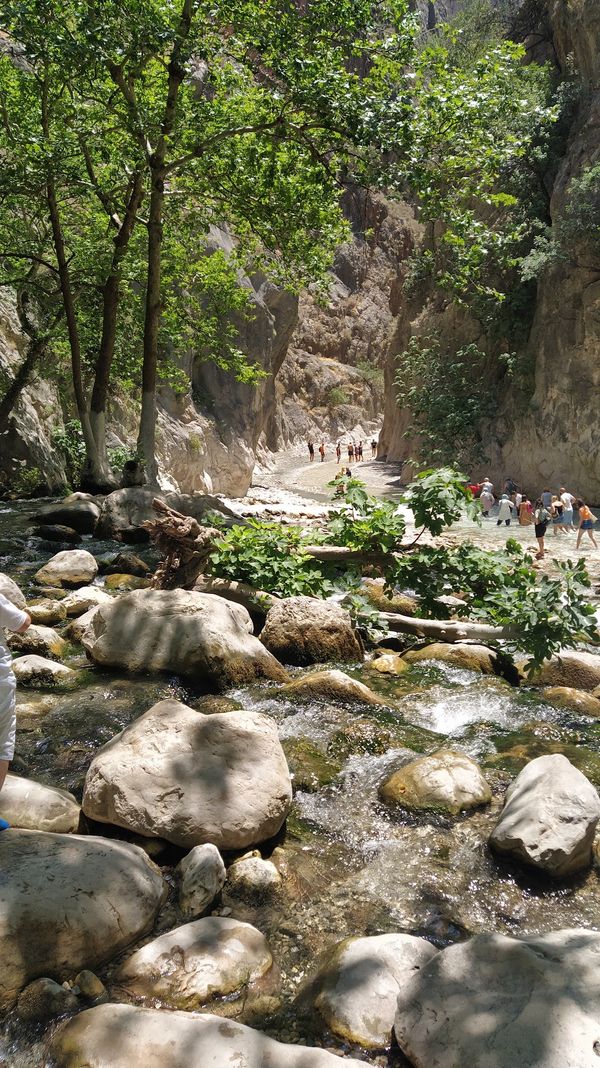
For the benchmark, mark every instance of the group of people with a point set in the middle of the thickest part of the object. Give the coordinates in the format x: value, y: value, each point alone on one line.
x: 355, y: 451
x: 549, y: 509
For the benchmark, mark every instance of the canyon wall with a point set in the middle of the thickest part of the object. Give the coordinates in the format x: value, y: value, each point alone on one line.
x: 550, y: 433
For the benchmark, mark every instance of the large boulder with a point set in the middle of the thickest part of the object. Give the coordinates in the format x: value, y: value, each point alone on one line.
x: 193, y: 964
x: 572, y: 667
x: 33, y: 670
x: 36, y: 807
x: 459, y: 655
x: 189, y: 778
x: 497, y: 1002
x: 39, y: 640
x: 203, y: 875
x: 193, y: 634
x: 72, y: 567
x: 357, y: 985
x: 444, y: 781
x: 80, y: 515
x: 119, y: 1036
x: 79, y: 601
x: 69, y: 902
x: 125, y: 510
x: 549, y: 817
x: 11, y: 591
x: 306, y: 630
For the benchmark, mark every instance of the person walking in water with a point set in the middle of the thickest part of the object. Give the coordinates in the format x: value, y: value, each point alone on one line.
x: 338, y: 452
x: 359, y: 450
x: 505, y: 510
x: 568, y: 501
x: 373, y: 449
x: 586, y: 523
x: 350, y: 452
x: 525, y: 512
x: 322, y: 451
x: 311, y: 450
x: 15, y: 620
x: 542, y: 518
x: 486, y: 496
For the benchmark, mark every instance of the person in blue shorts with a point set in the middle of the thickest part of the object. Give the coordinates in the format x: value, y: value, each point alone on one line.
x: 12, y: 619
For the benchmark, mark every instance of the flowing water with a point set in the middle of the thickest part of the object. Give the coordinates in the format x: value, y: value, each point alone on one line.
x: 351, y: 866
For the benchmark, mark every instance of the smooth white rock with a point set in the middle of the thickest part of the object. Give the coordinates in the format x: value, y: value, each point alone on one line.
x: 202, y: 873
x: 72, y: 567
x: 177, y: 774
x: 498, y: 1002
x: 197, y: 962
x: 35, y: 807
x: 549, y: 818
x: 121, y: 1036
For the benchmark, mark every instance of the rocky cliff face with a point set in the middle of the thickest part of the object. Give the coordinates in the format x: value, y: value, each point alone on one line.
x: 28, y: 457
x: 551, y: 435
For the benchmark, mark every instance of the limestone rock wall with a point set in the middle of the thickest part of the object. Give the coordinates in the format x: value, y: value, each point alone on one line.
x: 27, y: 442
x: 552, y: 434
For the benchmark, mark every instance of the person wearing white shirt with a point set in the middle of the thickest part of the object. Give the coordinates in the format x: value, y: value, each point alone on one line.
x: 505, y: 510
x: 568, y: 500
x: 12, y: 619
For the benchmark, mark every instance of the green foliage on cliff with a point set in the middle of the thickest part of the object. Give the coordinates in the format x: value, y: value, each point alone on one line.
x: 449, y: 393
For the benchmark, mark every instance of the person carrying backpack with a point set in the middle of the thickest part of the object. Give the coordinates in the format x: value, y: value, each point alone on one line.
x: 542, y: 518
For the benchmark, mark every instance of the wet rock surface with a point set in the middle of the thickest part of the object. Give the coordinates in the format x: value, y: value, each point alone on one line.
x: 445, y: 781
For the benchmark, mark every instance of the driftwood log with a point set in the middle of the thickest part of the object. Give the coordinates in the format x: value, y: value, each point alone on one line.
x: 446, y: 630
x: 184, y: 545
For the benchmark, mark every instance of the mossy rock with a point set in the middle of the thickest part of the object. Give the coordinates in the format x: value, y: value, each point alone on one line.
x: 332, y: 685
x: 576, y: 700
x: 401, y: 603
x: 458, y: 655
x: 389, y: 664
x: 126, y: 582
x: 538, y: 739
x: 310, y: 767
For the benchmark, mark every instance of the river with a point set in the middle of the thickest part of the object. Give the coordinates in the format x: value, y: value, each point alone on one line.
x: 351, y: 866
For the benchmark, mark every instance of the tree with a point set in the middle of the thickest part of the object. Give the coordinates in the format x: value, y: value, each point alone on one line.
x: 247, y: 112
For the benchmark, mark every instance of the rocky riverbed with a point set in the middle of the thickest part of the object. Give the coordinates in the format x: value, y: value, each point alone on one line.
x: 206, y: 880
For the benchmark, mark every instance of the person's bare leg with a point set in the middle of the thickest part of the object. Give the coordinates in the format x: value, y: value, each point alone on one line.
x: 3, y: 771
x: 540, y: 554
x: 592, y: 539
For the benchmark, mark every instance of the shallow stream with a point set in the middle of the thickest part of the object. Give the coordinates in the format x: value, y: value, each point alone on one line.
x: 350, y: 866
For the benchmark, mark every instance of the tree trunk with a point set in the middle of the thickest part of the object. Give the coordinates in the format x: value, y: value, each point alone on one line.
x: 158, y: 170
x: 98, y: 474
x: 147, y: 433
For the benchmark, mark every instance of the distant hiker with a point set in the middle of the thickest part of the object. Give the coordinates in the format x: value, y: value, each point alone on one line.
x: 568, y: 500
x: 322, y: 451
x: 348, y: 473
x: 311, y: 450
x: 373, y: 449
x: 359, y: 450
x: 486, y: 497
x: 546, y: 498
x: 586, y: 523
x: 350, y: 452
x: 556, y: 510
x: 525, y: 512
x: 505, y: 510
x: 510, y: 486
x: 15, y: 620
x: 338, y: 452
x: 542, y: 518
